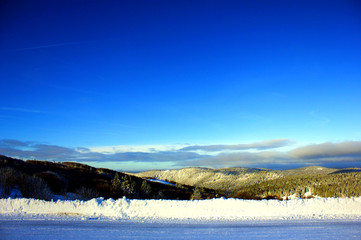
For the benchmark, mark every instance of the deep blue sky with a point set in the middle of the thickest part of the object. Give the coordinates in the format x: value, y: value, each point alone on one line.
x: 104, y: 73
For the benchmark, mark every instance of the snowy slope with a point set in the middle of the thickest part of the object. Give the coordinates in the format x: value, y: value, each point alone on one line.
x: 214, y: 209
x: 228, y: 177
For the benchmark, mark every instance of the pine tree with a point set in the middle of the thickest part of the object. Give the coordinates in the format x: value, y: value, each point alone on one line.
x: 197, y: 193
x: 145, y: 189
x: 128, y: 186
x: 116, y: 188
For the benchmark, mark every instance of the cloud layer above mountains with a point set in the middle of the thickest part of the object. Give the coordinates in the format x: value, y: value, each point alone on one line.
x: 275, y: 143
x: 260, y: 154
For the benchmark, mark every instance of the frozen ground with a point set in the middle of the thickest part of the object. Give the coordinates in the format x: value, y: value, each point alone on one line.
x: 316, y: 218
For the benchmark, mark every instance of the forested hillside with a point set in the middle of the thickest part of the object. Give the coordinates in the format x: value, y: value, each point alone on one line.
x: 70, y: 180
x: 255, y: 183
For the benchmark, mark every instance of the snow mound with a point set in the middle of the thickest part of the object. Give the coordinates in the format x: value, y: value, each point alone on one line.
x: 213, y: 209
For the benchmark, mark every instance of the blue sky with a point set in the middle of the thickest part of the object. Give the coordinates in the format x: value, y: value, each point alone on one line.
x: 153, y: 77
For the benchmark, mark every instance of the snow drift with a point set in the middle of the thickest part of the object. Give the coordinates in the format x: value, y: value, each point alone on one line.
x: 214, y: 209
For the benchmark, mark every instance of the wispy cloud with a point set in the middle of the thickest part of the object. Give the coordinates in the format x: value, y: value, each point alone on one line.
x: 31, y: 150
x: 269, y: 144
x: 328, y: 151
x: 70, y: 89
x: 24, y: 110
x: 325, y: 154
x: 13, y: 143
x: 137, y: 148
x: 318, y: 118
x: 47, y: 46
x: 263, y: 159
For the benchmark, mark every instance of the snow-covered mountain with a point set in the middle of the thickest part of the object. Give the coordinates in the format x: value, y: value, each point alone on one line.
x: 259, y: 182
x: 228, y: 177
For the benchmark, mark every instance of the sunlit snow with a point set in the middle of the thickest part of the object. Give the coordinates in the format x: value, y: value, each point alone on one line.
x: 316, y: 218
x: 213, y: 209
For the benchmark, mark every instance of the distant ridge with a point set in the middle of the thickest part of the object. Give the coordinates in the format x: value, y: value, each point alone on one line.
x: 262, y: 183
x: 238, y: 176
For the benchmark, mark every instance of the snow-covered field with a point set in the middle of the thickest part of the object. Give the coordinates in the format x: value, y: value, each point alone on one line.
x: 316, y: 218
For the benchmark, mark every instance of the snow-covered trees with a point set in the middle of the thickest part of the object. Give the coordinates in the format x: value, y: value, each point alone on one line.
x: 123, y: 185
